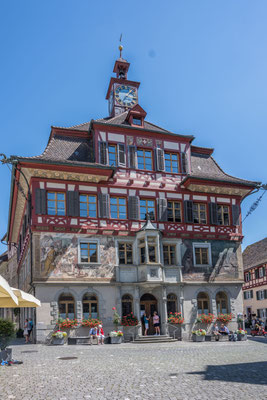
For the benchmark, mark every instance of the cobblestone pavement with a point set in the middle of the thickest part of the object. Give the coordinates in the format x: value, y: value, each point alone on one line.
x: 178, y: 370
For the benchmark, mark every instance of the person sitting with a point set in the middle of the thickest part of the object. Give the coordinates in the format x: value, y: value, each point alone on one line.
x: 216, y: 332
x: 100, y: 334
x: 93, y: 335
x: 224, y: 330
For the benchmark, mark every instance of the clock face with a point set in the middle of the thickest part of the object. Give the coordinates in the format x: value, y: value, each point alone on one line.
x: 126, y: 95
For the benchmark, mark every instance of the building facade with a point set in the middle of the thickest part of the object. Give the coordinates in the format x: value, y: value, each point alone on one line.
x: 255, y: 285
x: 120, y: 212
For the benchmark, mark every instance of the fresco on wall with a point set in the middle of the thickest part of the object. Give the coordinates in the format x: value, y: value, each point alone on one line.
x: 225, y: 265
x: 59, y: 259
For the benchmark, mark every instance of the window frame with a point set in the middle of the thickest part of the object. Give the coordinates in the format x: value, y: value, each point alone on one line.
x: 87, y: 240
x: 129, y: 301
x: 173, y: 202
x: 171, y: 153
x: 221, y: 213
x: 56, y: 201
x: 66, y: 302
x: 202, y: 246
x: 116, y: 154
x: 87, y: 205
x: 146, y: 200
x: 169, y: 253
x: 219, y: 300
x: 202, y: 300
x: 198, y: 204
x: 125, y: 252
x: 90, y: 302
x: 144, y: 159
x: 171, y: 301
x: 118, y: 206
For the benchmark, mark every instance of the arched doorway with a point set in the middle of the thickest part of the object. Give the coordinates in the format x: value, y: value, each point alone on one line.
x: 148, y: 304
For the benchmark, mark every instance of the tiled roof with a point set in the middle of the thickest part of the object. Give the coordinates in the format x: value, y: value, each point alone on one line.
x: 204, y: 166
x: 255, y: 254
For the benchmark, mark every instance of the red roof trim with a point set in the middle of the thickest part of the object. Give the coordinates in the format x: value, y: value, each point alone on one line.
x: 201, y: 150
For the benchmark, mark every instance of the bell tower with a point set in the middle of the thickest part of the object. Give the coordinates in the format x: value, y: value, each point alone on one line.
x: 122, y: 93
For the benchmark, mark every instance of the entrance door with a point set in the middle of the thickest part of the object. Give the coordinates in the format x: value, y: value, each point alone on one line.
x: 148, y: 304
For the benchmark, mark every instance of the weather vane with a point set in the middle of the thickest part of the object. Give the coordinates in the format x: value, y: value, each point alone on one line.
x: 120, y: 46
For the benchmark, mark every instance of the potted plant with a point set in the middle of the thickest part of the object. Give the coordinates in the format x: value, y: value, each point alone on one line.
x: 58, y: 337
x: 67, y: 323
x: 205, y: 318
x: 116, y: 318
x: 241, y: 334
x: 225, y: 318
x: 7, y: 332
x: 129, y: 320
x: 91, y: 322
x: 116, y: 337
x: 199, y: 335
x: 175, y: 318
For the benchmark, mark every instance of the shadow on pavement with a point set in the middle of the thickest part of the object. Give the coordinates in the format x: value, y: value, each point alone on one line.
x: 253, y: 373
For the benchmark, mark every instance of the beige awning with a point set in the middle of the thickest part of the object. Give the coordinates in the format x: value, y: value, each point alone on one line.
x: 7, y: 296
x: 26, y: 299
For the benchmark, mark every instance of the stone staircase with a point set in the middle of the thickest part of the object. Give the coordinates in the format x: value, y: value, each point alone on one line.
x: 154, y: 339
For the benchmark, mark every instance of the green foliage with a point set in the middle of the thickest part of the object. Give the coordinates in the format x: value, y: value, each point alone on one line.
x: 7, y: 332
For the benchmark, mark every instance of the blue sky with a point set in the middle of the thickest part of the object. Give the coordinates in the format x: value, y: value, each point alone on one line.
x: 202, y: 67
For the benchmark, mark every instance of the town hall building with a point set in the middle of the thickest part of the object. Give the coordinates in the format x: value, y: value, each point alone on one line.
x: 122, y: 213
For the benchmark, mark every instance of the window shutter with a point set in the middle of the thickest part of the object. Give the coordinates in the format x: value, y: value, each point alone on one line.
x: 251, y: 294
x: 213, y: 213
x: 245, y: 295
x: 103, y: 205
x: 29, y: 202
x: 160, y: 159
x: 133, y: 207
x: 263, y: 271
x: 256, y: 274
x: 132, y: 157
x: 73, y: 203
x: 121, y: 155
x: 235, y: 214
x: 103, y: 153
x: 40, y: 201
x: 188, y: 211
x: 258, y: 295
x: 162, y: 209
x: 265, y: 294
x: 184, y: 164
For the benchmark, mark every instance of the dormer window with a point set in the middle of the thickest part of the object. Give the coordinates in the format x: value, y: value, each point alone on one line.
x: 137, y: 121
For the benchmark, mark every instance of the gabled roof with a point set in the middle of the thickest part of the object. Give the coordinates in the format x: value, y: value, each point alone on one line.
x: 203, y: 166
x: 255, y: 254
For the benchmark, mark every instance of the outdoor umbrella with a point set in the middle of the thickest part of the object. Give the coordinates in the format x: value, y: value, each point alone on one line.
x: 26, y: 299
x: 7, y: 296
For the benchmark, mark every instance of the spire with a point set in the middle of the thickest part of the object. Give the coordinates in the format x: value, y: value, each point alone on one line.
x: 120, y: 46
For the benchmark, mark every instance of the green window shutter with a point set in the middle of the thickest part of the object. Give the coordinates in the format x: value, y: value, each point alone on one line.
x: 256, y: 274
x: 251, y: 294
x: 73, y: 203
x: 40, y: 201
x: 188, y: 211
x: 133, y: 207
x: 103, y: 153
x: 162, y: 209
x: 236, y: 214
x: 213, y: 213
x: 258, y: 295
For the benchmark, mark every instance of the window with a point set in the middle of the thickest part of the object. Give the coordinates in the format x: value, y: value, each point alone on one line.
x: 118, y: 207
x: 248, y: 276
x: 174, y: 211
x: 88, y: 252
x: 152, y: 249
x: 112, y: 154
x: 144, y: 159
x: 88, y: 205
x: 137, y: 121
x: 90, y: 306
x: 169, y: 254
x: 172, y: 162
x: 147, y: 207
x: 261, y: 272
x: 66, y: 306
x: 125, y: 253
x: 261, y: 294
x: 199, y: 213
x: 202, y: 254
x: 171, y: 303
x: 223, y: 215
x: 221, y: 303
x: 142, y: 251
x: 56, y: 204
x: 203, y: 303
x: 248, y: 294
x: 126, y: 304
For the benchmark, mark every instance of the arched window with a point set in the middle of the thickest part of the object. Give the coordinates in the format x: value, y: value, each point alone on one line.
x: 90, y: 306
x: 203, y: 303
x: 171, y: 303
x: 126, y: 304
x: 221, y: 303
x: 66, y: 306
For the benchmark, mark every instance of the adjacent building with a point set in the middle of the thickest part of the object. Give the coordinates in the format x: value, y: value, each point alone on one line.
x: 255, y: 286
x: 121, y: 212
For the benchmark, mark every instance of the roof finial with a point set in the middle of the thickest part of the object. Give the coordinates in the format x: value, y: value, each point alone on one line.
x: 120, y: 46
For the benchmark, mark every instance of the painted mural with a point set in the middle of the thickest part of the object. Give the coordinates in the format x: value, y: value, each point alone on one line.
x: 224, y: 262
x: 59, y: 259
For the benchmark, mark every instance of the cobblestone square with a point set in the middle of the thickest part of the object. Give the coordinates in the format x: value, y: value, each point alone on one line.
x: 180, y: 370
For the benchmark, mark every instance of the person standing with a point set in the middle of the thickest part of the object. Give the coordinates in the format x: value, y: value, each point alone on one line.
x: 146, y: 323
x: 26, y: 330
x: 30, y: 327
x: 100, y: 334
x: 156, y: 323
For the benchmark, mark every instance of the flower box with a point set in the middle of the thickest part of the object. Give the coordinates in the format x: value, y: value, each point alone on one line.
x: 115, y: 339
x: 197, y: 338
x: 241, y: 337
x: 58, y: 341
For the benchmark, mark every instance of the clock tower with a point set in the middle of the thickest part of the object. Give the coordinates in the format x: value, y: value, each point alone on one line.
x: 122, y: 94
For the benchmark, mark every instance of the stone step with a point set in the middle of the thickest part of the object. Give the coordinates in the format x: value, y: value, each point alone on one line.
x: 163, y: 340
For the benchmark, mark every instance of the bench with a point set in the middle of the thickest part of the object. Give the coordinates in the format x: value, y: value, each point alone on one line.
x: 81, y: 340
